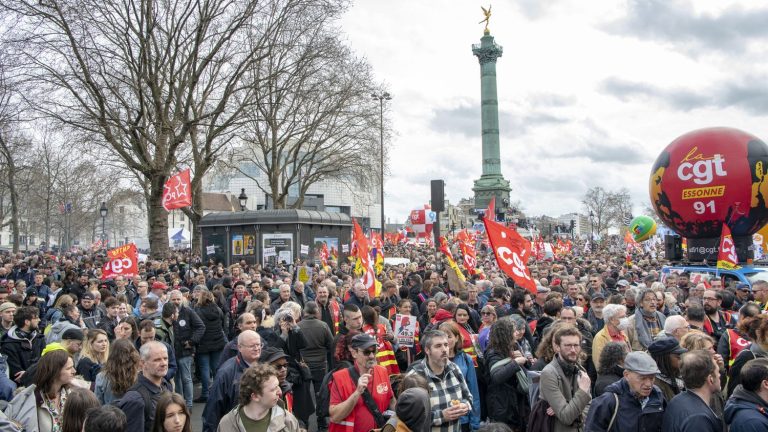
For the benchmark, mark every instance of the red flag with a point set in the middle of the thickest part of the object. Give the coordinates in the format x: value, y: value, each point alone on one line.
x: 512, y: 252
x: 444, y: 248
x: 490, y: 211
x: 122, y: 261
x: 177, y: 192
x: 470, y: 256
x: 361, y: 245
x: 726, y: 258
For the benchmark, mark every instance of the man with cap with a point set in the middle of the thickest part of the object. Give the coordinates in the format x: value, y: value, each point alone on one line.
x: 541, y: 297
x: 71, y: 341
x: 362, y: 385
x: 666, y: 353
x: 88, y: 311
x: 742, y: 295
x: 633, y: 403
x: 690, y: 410
x: 595, y: 313
x: 7, y: 310
x: 158, y: 290
x: 278, y: 359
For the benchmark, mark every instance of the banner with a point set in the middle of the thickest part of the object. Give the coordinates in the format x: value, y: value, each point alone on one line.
x: 177, y: 192
x: 305, y: 249
x: 512, y: 252
x: 405, y: 330
x: 122, y: 261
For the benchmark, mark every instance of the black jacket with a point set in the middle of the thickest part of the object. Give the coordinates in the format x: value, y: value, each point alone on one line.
x: 189, y: 330
x: 505, y: 403
x: 630, y: 416
x: 224, y: 393
x: 214, y: 337
x: 20, y: 352
x: 132, y: 403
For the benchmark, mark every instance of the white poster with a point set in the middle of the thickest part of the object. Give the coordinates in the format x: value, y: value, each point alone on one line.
x: 210, y: 250
x: 345, y: 248
x: 270, y: 252
x: 305, y: 249
x: 405, y: 330
x: 281, y: 245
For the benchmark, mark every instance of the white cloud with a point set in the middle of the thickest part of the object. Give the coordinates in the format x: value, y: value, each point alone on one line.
x: 587, y: 96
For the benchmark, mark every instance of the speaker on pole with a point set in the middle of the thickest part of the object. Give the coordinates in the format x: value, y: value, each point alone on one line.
x: 438, y: 195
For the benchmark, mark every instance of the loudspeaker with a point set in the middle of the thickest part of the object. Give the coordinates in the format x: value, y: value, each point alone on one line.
x: 438, y: 195
x: 673, y: 247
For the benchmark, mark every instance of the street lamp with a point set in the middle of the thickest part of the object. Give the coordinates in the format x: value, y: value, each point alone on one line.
x: 381, y: 97
x: 243, y: 198
x: 592, y: 224
x: 103, y: 210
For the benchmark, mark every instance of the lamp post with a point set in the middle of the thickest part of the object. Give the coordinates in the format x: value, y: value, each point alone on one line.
x: 243, y: 198
x: 103, y: 210
x: 592, y: 225
x: 381, y: 97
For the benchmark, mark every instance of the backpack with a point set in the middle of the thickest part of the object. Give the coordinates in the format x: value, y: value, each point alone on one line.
x: 324, y: 395
x: 146, y: 395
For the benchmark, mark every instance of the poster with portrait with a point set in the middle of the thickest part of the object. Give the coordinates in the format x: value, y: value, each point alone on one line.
x: 333, y: 246
x: 250, y: 244
x: 405, y: 330
x: 237, y: 244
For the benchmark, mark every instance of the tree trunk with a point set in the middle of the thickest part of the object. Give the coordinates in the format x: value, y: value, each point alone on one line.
x: 194, y: 218
x: 158, y: 218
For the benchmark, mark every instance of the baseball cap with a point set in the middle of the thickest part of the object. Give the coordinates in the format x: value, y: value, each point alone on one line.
x: 742, y: 286
x: 667, y: 345
x: 622, y: 282
x: 640, y: 362
x: 73, y: 334
x: 271, y: 355
x: 598, y: 296
x: 157, y: 285
x: 362, y: 341
x: 88, y: 296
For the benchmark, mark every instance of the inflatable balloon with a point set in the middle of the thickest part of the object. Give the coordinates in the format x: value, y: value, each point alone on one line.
x: 642, y: 228
x: 709, y: 176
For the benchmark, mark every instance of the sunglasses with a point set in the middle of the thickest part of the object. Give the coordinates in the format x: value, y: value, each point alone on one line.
x: 281, y: 366
x: 370, y: 351
x: 580, y: 298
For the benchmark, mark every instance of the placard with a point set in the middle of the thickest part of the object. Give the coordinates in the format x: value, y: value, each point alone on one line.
x: 270, y: 252
x: 405, y: 330
x: 210, y: 250
x: 305, y: 249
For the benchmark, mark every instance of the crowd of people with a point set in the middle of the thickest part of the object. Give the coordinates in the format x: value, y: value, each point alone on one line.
x: 601, y: 345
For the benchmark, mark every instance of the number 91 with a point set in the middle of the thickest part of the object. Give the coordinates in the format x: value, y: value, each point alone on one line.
x: 700, y: 207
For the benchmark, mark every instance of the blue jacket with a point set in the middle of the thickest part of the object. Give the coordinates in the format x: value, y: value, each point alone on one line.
x: 745, y: 411
x: 464, y: 362
x: 225, y: 392
x: 687, y: 412
x: 631, y: 416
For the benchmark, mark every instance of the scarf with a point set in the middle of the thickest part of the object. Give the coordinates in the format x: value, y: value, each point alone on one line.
x: 643, y: 335
x: 569, y: 369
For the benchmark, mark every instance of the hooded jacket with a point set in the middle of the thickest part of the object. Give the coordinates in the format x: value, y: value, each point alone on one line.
x: 280, y: 420
x: 20, y: 352
x: 631, y: 416
x: 745, y: 411
x: 57, y: 330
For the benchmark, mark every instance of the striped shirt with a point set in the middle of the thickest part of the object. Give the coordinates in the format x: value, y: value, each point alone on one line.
x: 450, y: 385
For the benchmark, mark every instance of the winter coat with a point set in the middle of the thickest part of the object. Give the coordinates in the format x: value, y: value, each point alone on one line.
x: 280, y: 421
x: 214, y: 337
x: 224, y: 392
x: 90, y: 317
x: 504, y: 402
x: 103, y: 389
x: 745, y: 411
x: 57, y: 330
x: 687, y: 412
x: 319, y: 342
x: 189, y: 330
x: 132, y: 403
x: 603, y: 381
x: 631, y: 416
x: 21, y: 353
x: 25, y: 409
x: 562, y: 393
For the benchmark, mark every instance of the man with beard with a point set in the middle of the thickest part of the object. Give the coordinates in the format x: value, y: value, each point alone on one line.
x: 152, y: 382
x: 691, y: 410
x: 716, y: 322
x: 447, y: 384
x: 522, y: 305
x: 88, y: 311
x: 564, y: 384
x: 595, y: 313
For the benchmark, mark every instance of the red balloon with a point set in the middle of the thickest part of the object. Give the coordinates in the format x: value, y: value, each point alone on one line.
x: 710, y: 176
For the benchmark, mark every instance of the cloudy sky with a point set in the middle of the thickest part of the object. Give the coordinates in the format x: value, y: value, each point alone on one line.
x: 589, y: 92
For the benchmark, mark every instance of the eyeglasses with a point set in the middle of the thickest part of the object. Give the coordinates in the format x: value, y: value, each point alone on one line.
x: 368, y: 352
x: 281, y: 366
x: 710, y: 299
x: 571, y: 346
x: 253, y: 347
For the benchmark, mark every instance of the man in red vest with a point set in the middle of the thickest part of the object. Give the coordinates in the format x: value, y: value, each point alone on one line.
x: 361, y: 394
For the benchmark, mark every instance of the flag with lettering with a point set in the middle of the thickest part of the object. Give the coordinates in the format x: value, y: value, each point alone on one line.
x: 177, y: 192
x: 726, y: 257
x: 121, y: 261
x: 512, y: 252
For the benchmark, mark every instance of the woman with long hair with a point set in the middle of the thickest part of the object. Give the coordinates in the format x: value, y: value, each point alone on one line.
x: 507, y: 403
x: 668, y: 379
x: 94, y: 354
x: 119, y: 372
x: 54, y: 314
x: 79, y: 401
x: 464, y: 362
x: 40, y: 407
x: 127, y: 329
x: 213, y: 341
x: 172, y: 414
x: 470, y: 343
x: 545, y: 351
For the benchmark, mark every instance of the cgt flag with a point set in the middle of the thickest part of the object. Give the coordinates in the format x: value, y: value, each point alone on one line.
x: 726, y: 258
x: 177, y: 192
x: 122, y: 261
x: 512, y: 252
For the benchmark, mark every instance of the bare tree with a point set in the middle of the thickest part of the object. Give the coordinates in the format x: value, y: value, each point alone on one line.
x: 312, y: 117
x: 620, y: 208
x: 597, y: 204
x: 14, y: 147
x: 138, y: 77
